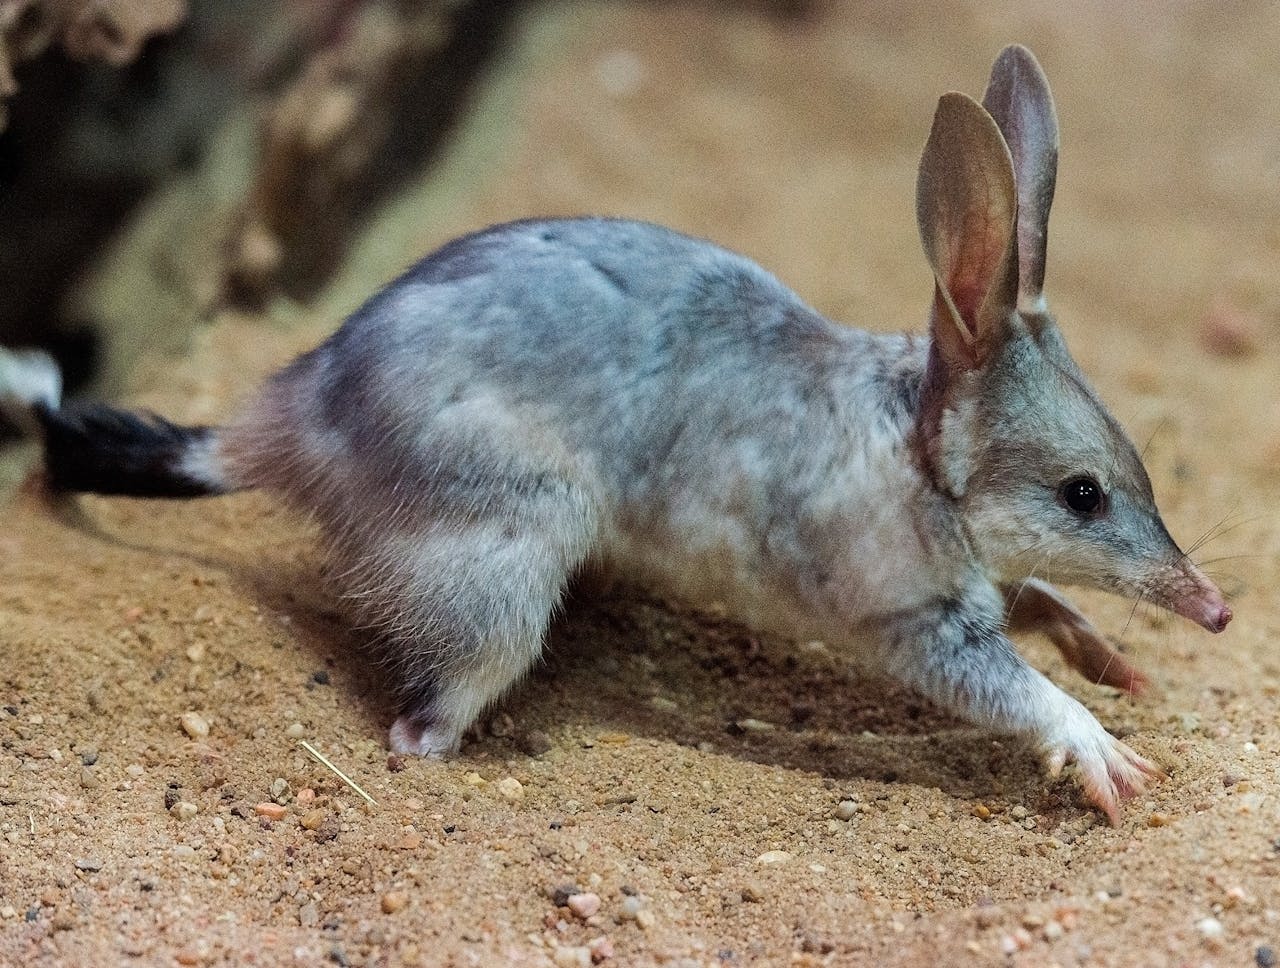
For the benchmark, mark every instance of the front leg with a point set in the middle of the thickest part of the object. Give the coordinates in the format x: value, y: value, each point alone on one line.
x: 956, y: 654
x: 1036, y: 606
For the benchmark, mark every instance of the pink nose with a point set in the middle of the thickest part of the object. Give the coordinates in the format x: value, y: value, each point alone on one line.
x: 1219, y: 621
x: 1205, y: 607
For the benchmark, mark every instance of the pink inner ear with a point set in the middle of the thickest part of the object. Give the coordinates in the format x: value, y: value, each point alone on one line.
x: 974, y: 266
x: 967, y: 298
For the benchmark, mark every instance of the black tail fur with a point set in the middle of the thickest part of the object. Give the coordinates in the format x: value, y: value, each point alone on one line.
x: 101, y: 450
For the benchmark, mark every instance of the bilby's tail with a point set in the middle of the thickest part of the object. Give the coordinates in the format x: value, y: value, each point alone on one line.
x: 102, y: 450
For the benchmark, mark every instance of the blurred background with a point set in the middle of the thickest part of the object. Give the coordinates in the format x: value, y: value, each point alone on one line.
x: 164, y: 163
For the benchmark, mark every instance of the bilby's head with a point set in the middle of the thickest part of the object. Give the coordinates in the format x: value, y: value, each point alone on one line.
x: 1046, y: 480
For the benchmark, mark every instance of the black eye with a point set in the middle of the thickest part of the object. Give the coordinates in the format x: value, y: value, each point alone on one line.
x: 1082, y: 495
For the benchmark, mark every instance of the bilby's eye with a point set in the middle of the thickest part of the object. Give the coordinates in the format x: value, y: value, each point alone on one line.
x: 1083, y: 496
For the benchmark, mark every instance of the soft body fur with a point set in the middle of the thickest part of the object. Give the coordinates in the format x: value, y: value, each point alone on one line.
x: 546, y: 398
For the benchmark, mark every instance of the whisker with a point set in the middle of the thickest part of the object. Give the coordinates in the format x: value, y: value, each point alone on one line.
x: 1132, y: 612
x: 1159, y: 427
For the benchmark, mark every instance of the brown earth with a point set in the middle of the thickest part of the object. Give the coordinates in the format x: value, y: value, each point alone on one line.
x: 795, y: 143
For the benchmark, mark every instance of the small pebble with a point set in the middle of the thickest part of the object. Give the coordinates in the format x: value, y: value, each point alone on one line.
x: 1159, y: 820
x: 272, y: 811
x: 88, y: 779
x: 982, y: 811
x: 509, y: 788
x: 296, y: 731
x: 773, y: 857
x: 281, y: 792
x: 91, y: 864
x: 1263, y: 957
x: 135, y: 770
x: 534, y: 743
x: 846, y: 810
x: 194, y: 725
x: 1019, y: 812
x: 583, y: 905
x: 755, y: 726
x: 306, y: 797
x: 89, y: 756
x: 393, y: 901
x: 572, y: 956
x: 395, y: 763
x: 631, y: 907
x: 183, y: 810
x: 309, y: 915
x: 601, y: 949
x: 313, y: 819
x: 1209, y: 928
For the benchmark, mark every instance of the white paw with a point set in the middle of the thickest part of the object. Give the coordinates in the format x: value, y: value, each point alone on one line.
x: 1110, y: 772
x: 434, y: 742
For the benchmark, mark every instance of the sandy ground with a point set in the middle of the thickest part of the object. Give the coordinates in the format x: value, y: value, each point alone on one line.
x: 707, y: 842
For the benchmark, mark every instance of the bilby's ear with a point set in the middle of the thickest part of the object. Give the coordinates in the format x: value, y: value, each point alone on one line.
x: 1019, y: 99
x: 966, y: 206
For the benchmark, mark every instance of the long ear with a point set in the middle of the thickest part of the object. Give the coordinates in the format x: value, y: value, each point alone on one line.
x: 966, y: 206
x: 1018, y: 98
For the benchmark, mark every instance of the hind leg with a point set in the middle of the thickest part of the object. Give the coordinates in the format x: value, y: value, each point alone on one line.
x: 472, y: 602
x: 1036, y: 606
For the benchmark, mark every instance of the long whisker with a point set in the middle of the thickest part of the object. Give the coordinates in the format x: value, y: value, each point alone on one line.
x: 1217, y: 531
x: 1132, y: 612
x: 1159, y: 427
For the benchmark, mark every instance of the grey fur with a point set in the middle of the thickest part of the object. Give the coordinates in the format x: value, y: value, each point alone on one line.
x: 548, y: 397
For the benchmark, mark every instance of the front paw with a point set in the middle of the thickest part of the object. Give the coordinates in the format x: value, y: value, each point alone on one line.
x: 1110, y: 772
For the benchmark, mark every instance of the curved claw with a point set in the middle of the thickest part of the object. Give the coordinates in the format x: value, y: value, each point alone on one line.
x: 1110, y: 773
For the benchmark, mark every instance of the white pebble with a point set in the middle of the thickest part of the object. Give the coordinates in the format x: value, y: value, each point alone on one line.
x: 773, y: 857
x: 1209, y: 927
x: 184, y: 810
x: 296, y: 731
x: 846, y: 810
x: 194, y: 725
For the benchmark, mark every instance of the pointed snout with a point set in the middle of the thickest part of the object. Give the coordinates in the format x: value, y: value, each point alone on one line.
x: 1189, y: 592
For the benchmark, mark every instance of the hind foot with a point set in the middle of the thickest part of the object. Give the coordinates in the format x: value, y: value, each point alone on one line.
x: 433, y: 740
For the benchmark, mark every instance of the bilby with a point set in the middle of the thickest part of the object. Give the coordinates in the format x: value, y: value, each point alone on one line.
x: 543, y: 398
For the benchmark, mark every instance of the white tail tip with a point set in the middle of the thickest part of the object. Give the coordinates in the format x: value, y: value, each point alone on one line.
x: 28, y: 378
